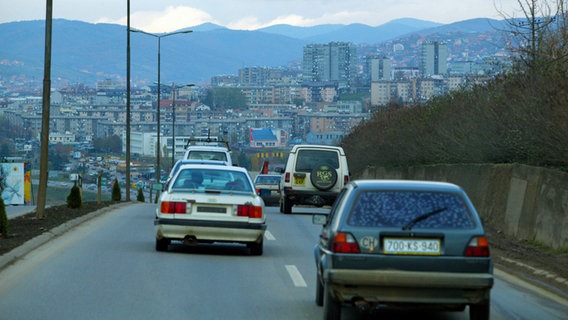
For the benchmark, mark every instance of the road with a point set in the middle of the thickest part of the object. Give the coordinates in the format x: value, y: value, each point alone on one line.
x: 107, y: 268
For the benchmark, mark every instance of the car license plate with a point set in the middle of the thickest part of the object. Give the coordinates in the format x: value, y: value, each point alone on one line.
x: 299, y: 180
x: 411, y: 246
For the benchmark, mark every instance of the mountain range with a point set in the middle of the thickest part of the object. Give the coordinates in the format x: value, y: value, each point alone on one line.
x: 85, y: 52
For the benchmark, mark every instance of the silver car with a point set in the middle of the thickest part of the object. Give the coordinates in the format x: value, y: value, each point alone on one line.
x: 268, y: 187
x: 401, y: 243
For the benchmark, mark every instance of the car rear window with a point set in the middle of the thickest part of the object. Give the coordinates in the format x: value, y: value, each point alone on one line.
x: 307, y: 160
x: 398, y: 208
x: 212, y: 180
x: 267, y: 179
x: 207, y: 155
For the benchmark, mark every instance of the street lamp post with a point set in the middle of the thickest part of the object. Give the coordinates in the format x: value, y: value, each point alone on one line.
x: 174, y: 88
x: 173, y: 124
x: 158, y: 149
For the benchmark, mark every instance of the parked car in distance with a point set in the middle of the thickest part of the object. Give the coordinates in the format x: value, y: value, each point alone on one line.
x: 402, y: 243
x: 314, y: 175
x: 209, y: 203
x: 268, y: 187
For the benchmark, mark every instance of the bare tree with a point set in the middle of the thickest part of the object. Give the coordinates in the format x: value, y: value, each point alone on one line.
x: 528, y: 33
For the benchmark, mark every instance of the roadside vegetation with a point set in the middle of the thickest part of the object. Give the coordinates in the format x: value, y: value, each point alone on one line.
x: 519, y: 117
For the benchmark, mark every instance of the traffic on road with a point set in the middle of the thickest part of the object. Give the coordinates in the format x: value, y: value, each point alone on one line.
x: 108, y: 268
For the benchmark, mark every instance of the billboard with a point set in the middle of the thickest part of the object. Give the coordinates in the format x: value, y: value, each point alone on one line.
x: 15, y: 188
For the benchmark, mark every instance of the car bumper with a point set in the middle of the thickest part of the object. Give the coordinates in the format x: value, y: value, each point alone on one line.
x: 391, y: 286
x: 316, y: 198
x: 209, y: 230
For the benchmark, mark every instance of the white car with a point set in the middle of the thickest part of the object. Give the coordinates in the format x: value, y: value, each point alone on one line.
x: 210, y: 203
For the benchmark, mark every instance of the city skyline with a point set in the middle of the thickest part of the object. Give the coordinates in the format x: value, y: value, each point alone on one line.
x: 170, y: 15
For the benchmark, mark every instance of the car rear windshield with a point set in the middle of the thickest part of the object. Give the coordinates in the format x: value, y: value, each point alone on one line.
x: 207, y: 155
x: 401, y: 208
x: 267, y: 179
x: 307, y: 160
x: 212, y: 180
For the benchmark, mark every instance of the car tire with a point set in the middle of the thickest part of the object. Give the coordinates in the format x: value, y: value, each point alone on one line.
x: 331, y: 308
x: 256, y: 248
x: 323, y: 177
x: 480, y: 311
x: 319, y: 291
x: 286, y: 206
x: 162, y: 244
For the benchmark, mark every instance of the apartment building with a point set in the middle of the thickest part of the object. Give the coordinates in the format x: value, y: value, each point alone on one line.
x: 433, y: 58
x: 332, y: 62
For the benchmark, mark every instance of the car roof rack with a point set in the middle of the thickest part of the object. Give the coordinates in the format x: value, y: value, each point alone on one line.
x: 207, y: 141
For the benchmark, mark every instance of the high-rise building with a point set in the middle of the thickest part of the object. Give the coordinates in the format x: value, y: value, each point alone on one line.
x: 433, y: 58
x: 381, y: 69
x: 332, y: 62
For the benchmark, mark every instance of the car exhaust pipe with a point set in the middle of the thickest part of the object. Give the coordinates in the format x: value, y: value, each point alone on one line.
x: 362, y: 305
x: 190, y: 240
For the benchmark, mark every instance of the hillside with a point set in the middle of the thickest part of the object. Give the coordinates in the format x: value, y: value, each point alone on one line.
x: 84, y: 52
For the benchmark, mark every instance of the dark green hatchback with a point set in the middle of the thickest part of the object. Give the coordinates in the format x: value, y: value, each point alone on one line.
x: 402, y: 243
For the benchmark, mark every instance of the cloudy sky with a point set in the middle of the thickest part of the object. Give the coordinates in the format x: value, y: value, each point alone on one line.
x: 170, y: 15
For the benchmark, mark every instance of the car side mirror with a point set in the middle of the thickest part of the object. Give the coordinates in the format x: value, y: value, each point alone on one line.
x: 319, y: 219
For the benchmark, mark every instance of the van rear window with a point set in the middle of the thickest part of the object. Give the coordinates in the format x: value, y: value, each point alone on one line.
x: 307, y: 160
x: 206, y: 155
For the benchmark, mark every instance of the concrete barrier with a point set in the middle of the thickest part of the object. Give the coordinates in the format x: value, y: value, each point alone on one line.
x: 529, y: 203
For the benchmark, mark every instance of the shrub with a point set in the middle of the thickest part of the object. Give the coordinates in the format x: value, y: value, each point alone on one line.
x: 3, y: 219
x: 74, y: 198
x: 140, y: 196
x: 116, y: 194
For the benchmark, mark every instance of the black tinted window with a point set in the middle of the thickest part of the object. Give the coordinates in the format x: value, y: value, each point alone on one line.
x: 398, y: 208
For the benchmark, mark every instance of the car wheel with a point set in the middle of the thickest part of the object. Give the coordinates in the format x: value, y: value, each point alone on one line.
x: 286, y: 206
x: 256, y: 248
x: 162, y: 244
x: 319, y: 291
x: 323, y: 177
x: 331, y: 308
x: 479, y: 311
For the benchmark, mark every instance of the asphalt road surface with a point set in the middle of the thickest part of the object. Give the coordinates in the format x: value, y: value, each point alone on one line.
x: 107, y: 268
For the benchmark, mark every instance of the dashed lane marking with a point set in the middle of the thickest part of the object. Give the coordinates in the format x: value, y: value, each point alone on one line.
x: 296, y: 276
x: 268, y: 235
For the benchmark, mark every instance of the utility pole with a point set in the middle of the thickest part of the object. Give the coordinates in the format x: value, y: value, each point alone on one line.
x: 127, y: 197
x: 44, y: 160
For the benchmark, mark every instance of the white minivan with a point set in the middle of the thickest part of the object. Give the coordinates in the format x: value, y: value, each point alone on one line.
x: 208, y: 148
x: 314, y: 175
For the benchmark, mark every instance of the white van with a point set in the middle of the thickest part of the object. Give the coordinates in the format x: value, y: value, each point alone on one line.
x: 208, y: 149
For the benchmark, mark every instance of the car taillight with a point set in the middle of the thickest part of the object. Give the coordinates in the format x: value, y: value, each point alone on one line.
x: 257, y: 191
x: 245, y: 210
x: 345, y: 179
x: 345, y: 243
x: 477, y: 247
x: 173, y: 207
x: 287, y: 177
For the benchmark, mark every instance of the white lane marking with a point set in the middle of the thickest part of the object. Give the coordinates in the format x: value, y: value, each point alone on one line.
x: 296, y: 276
x: 269, y: 235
